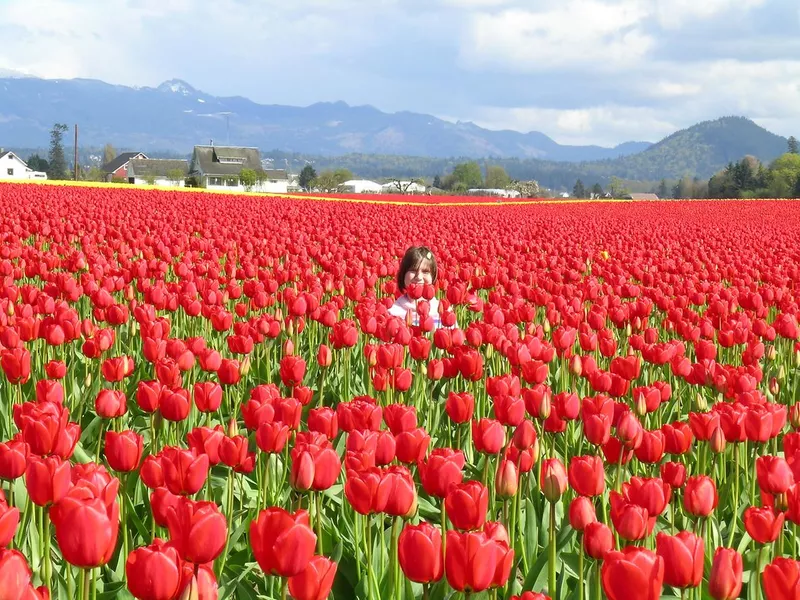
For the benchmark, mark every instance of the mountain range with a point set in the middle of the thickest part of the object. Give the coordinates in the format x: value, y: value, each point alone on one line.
x: 174, y: 116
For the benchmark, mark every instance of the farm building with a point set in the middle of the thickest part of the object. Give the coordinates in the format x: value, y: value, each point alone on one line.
x: 220, y: 167
x: 155, y: 171
x: 13, y: 167
x: 118, y: 168
x: 361, y: 186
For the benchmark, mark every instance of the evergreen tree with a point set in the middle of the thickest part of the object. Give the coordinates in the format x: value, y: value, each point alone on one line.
x: 663, y: 190
x: 437, y: 182
x: 578, y: 190
x: 307, y: 177
x: 597, y: 190
x: 37, y: 163
x: 56, y: 159
x: 793, y: 146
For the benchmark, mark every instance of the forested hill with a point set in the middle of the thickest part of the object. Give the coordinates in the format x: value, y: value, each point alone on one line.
x: 699, y: 151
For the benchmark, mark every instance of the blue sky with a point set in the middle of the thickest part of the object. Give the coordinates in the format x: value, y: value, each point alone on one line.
x: 580, y: 71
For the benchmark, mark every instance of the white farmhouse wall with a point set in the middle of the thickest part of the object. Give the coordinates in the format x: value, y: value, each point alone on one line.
x: 13, y: 168
x: 160, y: 181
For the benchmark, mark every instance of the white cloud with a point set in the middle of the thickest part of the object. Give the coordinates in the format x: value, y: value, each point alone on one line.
x: 604, y: 125
x: 672, y: 14
x: 575, y: 32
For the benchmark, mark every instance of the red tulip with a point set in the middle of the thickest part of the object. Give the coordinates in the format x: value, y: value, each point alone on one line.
x: 774, y: 474
x: 234, y: 453
x: 420, y: 553
x: 443, y: 469
x: 598, y: 540
x: 229, y: 372
x: 272, y: 437
x: 632, y: 574
x: 154, y: 572
x: 47, y: 479
x: 13, y: 458
x: 292, y: 370
x: 460, y: 407
x: 110, y: 404
x: 16, y: 577
x: 631, y: 521
x: 16, y: 363
x: 781, y: 579
x: 161, y: 501
x: 401, y: 493
x: 700, y: 496
x: 553, y: 479
x: 683, y: 558
x: 587, y: 475
x: 470, y: 561
x: 725, y: 580
x: 581, y: 513
x: 488, y: 436
x: 204, y: 440
x: 506, y: 480
x: 148, y: 395
x: 207, y: 396
x: 198, y: 530
x: 763, y: 524
x: 324, y: 420
x: 175, y: 404
x: 9, y: 521
x: 86, y: 523
x: 184, y: 471
x: 124, y: 450
x: 282, y: 543
x: 315, y: 581
x: 412, y: 445
x: 467, y: 504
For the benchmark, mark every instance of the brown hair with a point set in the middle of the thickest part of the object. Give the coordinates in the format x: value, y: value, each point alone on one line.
x: 412, y: 259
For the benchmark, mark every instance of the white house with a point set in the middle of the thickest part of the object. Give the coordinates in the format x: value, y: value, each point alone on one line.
x: 13, y: 167
x: 220, y: 168
x: 500, y: 193
x: 157, y: 171
x: 361, y: 186
x: 405, y: 187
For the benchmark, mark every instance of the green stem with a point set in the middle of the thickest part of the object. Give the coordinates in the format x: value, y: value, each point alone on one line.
x: 551, y: 590
x: 580, y: 572
x: 319, y: 522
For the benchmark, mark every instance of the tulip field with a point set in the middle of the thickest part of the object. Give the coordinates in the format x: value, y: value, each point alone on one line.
x: 204, y: 396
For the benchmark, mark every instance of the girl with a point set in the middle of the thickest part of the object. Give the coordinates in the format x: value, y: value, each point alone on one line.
x: 417, y: 267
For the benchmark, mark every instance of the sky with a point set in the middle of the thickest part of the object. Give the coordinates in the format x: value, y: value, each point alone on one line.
x: 581, y: 71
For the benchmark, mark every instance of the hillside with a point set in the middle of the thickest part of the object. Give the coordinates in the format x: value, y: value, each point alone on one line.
x: 175, y: 116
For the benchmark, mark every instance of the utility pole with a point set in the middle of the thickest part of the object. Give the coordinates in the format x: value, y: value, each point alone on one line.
x: 76, y: 152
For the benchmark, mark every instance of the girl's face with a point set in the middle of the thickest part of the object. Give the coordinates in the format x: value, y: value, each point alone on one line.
x: 422, y: 273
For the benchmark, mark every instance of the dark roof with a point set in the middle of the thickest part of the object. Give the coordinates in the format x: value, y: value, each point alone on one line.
x: 206, y: 160
x: 120, y: 161
x: 637, y: 196
x: 156, y: 167
x: 14, y: 154
x: 2, y: 154
x: 276, y: 174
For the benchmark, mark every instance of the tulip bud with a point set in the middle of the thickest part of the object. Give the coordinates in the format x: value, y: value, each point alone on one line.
x: 781, y: 502
x: 244, y: 367
x: 797, y: 358
x: 576, y: 365
x: 794, y: 416
x: 702, y: 404
x: 546, y: 326
x: 781, y: 373
x: 718, y: 441
x: 88, y: 381
x: 10, y: 309
x: 233, y: 428
x: 413, y: 508
x: 553, y: 479
x: 288, y: 347
x: 544, y: 407
x: 774, y: 386
x: 641, y: 405
x: 506, y: 482
x: 772, y: 353
x: 490, y: 352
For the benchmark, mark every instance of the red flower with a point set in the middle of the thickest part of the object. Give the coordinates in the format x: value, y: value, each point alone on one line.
x: 184, y: 471
x: 725, y: 580
x: 598, y: 539
x: 442, y: 470
x: 16, y: 364
x: 632, y: 574
x: 774, y: 474
x: 781, y: 579
x: 467, y: 504
x: 124, y: 450
x: 412, y: 445
x: 86, y: 522
x: 110, y: 404
x: 700, y: 496
x: 282, y: 543
x: 47, y: 479
x: 292, y: 370
x: 154, y: 572
x: 315, y: 581
x: 470, y: 560
x: 683, y: 558
x: 198, y: 530
x: 587, y: 475
x: 488, y: 436
x: 420, y: 553
x: 207, y: 396
x: 763, y: 524
x: 553, y: 479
